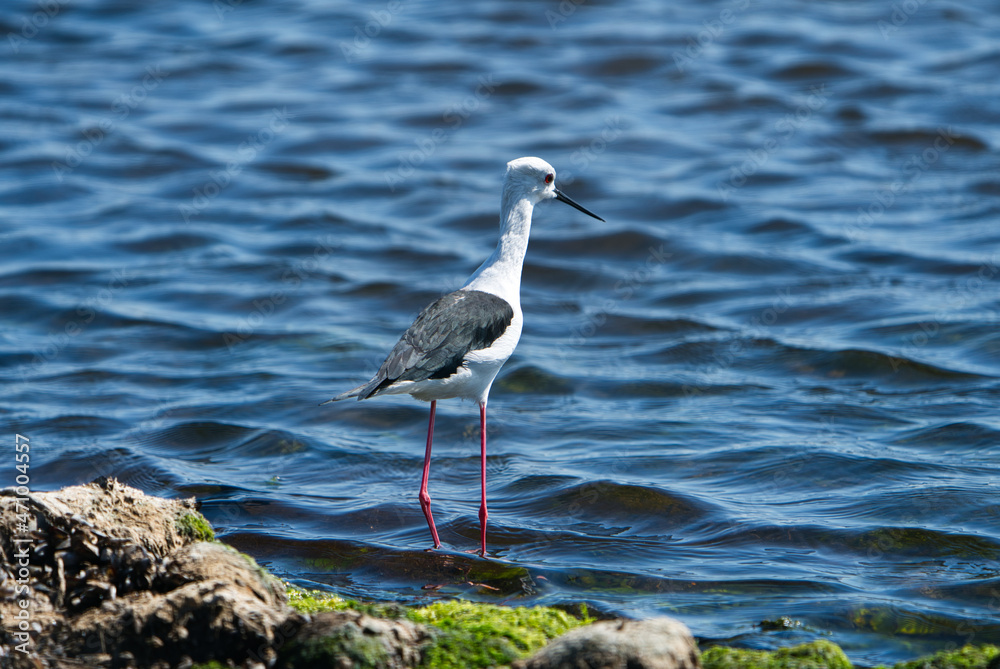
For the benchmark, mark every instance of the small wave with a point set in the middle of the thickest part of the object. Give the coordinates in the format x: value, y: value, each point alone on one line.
x: 962, y: 436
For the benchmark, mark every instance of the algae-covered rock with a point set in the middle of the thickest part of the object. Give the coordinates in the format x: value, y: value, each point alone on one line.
x: 195, y: 527
x: 460, y: 634
x: 351, y: 639
x: 471, y: 635
x: 816, y: 655
x: 658, y: 643
x: 966, y: 657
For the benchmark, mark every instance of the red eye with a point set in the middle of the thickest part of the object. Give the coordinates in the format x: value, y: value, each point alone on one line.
x: 549, y: 177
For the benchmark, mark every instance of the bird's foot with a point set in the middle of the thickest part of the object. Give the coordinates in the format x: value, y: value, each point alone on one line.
x: 478, y: 551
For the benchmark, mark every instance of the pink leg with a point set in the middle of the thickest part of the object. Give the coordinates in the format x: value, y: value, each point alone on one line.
x: 483, y: 515
x: 425, y: 499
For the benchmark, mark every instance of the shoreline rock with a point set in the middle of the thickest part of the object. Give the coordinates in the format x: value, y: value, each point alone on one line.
x: 109, y: 576
x: 105, y: 576
x: 657, y: 643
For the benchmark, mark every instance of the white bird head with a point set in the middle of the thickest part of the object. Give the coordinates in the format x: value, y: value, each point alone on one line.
x: 535, y: 179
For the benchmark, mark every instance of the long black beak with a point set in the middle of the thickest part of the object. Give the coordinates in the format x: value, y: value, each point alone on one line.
x: 562, y: 198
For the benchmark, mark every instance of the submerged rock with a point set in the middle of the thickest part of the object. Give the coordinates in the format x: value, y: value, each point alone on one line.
x: 820, y: 654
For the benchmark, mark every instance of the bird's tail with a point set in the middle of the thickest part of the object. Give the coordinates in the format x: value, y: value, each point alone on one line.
x: 344, y: 396
x: 362, y: 392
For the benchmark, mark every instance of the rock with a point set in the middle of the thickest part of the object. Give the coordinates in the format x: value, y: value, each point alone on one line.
x: 219, y: 605
x: 350, y: 639
x: 657, y: 643
x: 986, y: 656
x: 105, y: 576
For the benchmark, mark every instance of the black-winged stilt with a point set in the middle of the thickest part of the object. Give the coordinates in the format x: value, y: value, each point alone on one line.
x: 457, y: 345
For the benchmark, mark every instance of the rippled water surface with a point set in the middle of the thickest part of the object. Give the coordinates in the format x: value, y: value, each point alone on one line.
x: 766, y: 387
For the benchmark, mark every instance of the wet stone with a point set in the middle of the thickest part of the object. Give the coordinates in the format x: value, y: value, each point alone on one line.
x: 657, y: 643
x: 348, y: 639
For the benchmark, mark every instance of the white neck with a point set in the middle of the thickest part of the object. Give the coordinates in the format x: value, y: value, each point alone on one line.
x: 500, y: 274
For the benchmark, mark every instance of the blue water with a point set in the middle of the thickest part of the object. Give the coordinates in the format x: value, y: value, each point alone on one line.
x: 766, y: 387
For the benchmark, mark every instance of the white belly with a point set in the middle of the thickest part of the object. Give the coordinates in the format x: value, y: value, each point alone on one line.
x: 472, y: 381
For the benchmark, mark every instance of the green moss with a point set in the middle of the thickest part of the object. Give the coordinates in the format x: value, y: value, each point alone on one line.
x: 816, y: 655
x: 195, y: 527
x: 486, y: 635
x: 314, y: 601
x: 317, y: 601
x: 966, y: 657
x: 469, y: 635
x: 332, y: 650
x: 826, y: 655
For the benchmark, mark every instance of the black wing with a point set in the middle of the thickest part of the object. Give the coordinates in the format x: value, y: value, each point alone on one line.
x: 437, y: 342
